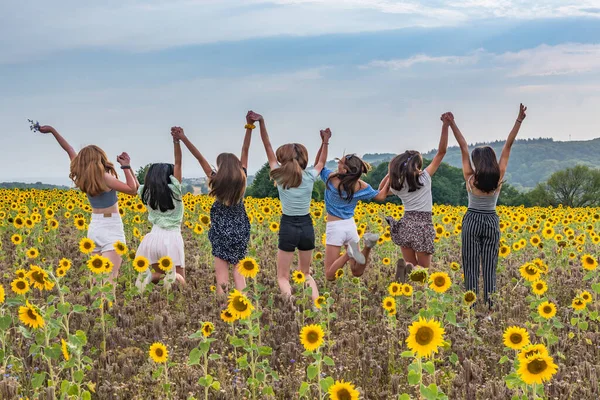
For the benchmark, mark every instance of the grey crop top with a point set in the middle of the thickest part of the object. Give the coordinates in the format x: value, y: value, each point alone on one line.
x: 104, y: 200
x: 482, y: 202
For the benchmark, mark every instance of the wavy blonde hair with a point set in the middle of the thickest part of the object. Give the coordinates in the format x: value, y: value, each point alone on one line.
x: 88, y: 169
x: 293, y: 159
x: 228, y: 183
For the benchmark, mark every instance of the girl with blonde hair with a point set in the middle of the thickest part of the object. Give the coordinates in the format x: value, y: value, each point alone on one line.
x: 95, y: 176
x: 295, y: 186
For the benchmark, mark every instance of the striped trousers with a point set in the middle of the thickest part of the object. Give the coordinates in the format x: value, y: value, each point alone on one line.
x: 480, y: 243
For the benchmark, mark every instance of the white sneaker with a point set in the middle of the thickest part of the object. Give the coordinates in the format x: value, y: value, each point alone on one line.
x: 370, y: 239
x: 354, y: 252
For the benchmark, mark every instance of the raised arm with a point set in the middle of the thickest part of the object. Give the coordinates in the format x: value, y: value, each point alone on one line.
x: 511, y: 139
x: 251, y: 117
x: 264, y: 135
x: 442, y: 147
x: 321, y: 159
x: 61, y: 141
x: 464, y: 149
x: 177, y: 150
x: 180, y: 135
x: 132, y: 184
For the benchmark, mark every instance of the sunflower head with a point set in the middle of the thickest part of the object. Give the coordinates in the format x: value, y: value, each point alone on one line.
x: 454, y: 266
x: 159, y: 353
x: 589, y: 262
x: 298, y: 277
x: 65, y: 263
x: 207, y: 329
x: 320, y: 302
x: 419, y: 275
x: 407, y: 290
x: 389, y: 303
x: 311, y: 337
x: 341, y: 390
x: 141, y: 264
x: 239, y: 305
x: 539, y: 287
x: 227, y: 316
x: 516, y: 337
x: 547, y: 310
x: 20, y: 286
x: 165, y: 263
x: 64, y: 349
x: 425, y: 337
x: 248, y: 267
x: 469, y: 297
x: 339, y: 273
x: 440, y: 282
x: 86, y: 246
x: 578, y: 303
x: 120, y: 248
x: 537, y: 369
x: 386, y: 261
x: 395, y: 289
x: 586, y: 296
x: 29, y: 316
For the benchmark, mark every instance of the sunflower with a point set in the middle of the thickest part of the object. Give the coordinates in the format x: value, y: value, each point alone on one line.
x: 16, y: 239
x: 386, y: 261
x: 33, y: 253
x: 516, y: 338
x: 204, y: 219
x: 207, y: 329
x: 30, y: 317
x: 454, y: 266
x: 318, y: 256
x: 248, y: 267
x: 586, y: 296
x: 20, y: 286
x: 425, y: 336
x: 395, y: 289
x: 21, y: 273
x: 274, y: 226
x: 530, y: 272
x: 319, y: 302
x: 389, y: 303
x: 198, y: 229
x: 80, y: 223
x: 2, y: 294
x: 588, y: 262
x: 213, y: 288
x: 165, y: 263
x: 39, y: 278
x: 120, y: 248
x: 65, y: 351
x: 537, y: 369
x: 532, y: 350
x: 311, y: 337
x: 440, y: 282
x: 60, y: 272
x: 578, y: 303
x: 419, y: 275
x: 547, y: 310
x: 341, y: 390
x: 504, y: 251
x: 159, y: 353
x: 239, y: 305
x: 407, y: 290
x: 141, y: 264
x: 298, y: 277
x: 86, y: 246
x: 339, y: 273
x: 227, y: 316
x: 539, y: 287
x: 97, y: 264
x: 65, y: 264
x: 469, y: 298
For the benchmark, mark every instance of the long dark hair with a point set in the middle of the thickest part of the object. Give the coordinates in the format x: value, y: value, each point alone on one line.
x: 156, y: 194
x: 487, y: 170
x: 355, y: 168
x: 405, y: 169
x: 228, y: 184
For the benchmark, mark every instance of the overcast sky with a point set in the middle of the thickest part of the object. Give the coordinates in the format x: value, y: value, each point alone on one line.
x: 120, y: 73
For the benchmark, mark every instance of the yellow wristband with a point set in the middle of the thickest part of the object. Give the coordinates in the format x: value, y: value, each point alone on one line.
x: 249, y: 126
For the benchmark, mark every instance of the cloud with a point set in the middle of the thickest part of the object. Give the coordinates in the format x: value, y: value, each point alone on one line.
x: 544, y: 60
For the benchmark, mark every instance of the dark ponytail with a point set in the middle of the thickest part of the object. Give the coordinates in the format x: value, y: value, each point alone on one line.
x: 405, y: 169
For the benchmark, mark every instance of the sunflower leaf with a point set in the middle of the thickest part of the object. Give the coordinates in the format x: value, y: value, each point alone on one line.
x: 429, y: 367
x: 407, y: 354
x: 311, y: 372
x: 303, y: 389
x: 194, y: 358
x: 429, y: 392
x: 326, y: 383
x: 414, y: 377
x: 328, y: 361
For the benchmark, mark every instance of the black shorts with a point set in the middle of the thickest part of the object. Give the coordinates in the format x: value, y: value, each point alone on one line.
x: 296, y: 233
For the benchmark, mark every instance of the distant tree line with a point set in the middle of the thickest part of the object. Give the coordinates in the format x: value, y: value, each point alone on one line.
x: 574, y: 187
x: 37, y: 185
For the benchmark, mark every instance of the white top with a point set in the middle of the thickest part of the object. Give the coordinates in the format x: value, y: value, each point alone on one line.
x: 420, y: 199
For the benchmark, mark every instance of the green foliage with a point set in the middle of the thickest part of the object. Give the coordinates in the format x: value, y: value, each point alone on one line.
x: 263, y: 186
x: 574, y: 187
x: 141, y: 173
x: 37, y: 185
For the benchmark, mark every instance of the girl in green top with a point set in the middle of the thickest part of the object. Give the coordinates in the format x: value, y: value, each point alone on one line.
x: 162, y: 196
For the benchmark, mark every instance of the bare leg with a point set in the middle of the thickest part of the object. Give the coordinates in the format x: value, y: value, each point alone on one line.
x: 284, y: 261
x: 222, y: 275
x: 333, y: 261
x: 304, y: 260
x: 409, y: 255
x: 238, y: 279
x: 424, y: 259
x: 359, y: 269
x: 116, y: 260
x: 180, y: 275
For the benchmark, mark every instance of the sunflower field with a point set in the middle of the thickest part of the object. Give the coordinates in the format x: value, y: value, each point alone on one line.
x: 66, y: 333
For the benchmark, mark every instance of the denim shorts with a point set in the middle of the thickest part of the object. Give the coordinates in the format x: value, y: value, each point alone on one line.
x: 296, y: 233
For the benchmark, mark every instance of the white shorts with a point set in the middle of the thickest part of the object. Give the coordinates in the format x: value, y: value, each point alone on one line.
x: 160, y: 243
x: 341, y: 232
x: 105, y: 230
